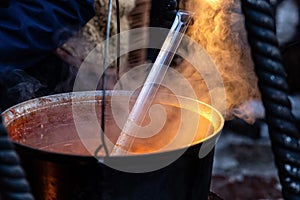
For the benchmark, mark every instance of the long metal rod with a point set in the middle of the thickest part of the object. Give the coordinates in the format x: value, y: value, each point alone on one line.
x: 154, y: 79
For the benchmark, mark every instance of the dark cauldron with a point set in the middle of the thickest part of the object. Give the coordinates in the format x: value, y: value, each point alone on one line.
x: 54, y: 175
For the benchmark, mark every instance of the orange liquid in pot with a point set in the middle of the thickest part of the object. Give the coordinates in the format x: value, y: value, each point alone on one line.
x: 53, y: 129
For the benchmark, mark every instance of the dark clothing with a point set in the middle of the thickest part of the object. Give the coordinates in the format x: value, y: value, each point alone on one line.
x: 50, y: 76
x: 4, y: 3
x: 30, y: 30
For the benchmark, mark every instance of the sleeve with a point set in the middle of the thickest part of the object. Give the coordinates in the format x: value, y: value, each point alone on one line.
x: 31, y: 29
x: 4, y: 3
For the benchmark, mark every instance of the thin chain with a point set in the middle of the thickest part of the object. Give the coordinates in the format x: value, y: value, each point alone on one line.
x: 104, y: 83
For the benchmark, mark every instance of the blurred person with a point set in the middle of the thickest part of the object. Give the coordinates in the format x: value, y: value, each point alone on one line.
x: 91, y: 38
x: 30, y: 31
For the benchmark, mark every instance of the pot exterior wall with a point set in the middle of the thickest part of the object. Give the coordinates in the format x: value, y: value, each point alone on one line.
x: 64, y: 178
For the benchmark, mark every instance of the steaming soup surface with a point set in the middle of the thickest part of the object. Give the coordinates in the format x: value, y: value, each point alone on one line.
x: 53, y: 129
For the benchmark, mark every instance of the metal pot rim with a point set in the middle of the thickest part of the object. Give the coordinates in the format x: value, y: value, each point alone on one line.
x: 36, y: 104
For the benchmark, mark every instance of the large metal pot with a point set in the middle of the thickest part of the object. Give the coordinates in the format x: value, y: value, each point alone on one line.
x: 184, y: 173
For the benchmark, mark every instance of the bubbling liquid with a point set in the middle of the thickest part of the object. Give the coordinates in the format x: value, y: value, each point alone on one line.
x: 53, y: 129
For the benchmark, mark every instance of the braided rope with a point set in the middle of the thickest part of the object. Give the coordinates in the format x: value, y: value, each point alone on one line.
x: 285, y: 137
x: 13, y: 185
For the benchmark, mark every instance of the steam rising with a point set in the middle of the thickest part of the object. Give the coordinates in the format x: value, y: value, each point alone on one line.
x: 219, y: 27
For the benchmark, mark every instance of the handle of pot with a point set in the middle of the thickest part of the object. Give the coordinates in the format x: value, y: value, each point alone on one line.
x: 12, y: 177
x: 284, y: 134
